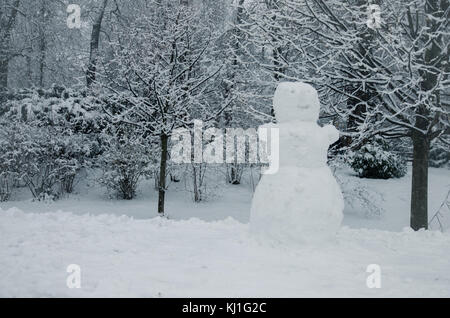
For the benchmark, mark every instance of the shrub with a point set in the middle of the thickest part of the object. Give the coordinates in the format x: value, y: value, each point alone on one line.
x: 47, y: 136
x: 41, y: 157
x: 124, y: 162
x: 374, y: 160
x: 6, y: 185
x: 9, y: 162
x: 439, y: 154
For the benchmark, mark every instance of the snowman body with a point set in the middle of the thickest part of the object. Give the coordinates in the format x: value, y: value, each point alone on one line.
x: 302, y: 202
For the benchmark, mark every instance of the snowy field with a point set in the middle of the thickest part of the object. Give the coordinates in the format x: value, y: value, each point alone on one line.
x: 204, y: 250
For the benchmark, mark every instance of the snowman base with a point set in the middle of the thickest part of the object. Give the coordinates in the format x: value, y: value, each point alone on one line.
x: 297, y: 206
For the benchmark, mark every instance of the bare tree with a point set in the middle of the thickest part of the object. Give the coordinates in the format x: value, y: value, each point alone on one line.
x: 159, y: 73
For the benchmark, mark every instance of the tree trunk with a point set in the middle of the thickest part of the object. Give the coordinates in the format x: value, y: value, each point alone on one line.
x: 420, y: 137
x: 197, y: 195
x: 6, y: 26
x: 3, y: 79
x: 95, y: 39
x: 419, y: 192
x: 277, y: 52
x: 162, y: 173
x: 42, y: 42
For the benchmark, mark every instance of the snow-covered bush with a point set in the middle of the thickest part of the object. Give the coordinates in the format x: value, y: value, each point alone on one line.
x: 8, y: 161
x: 57, y: 107
x: 51, y: 158
x: 75, y: 151
x: 375, y: 160
x: 440, y: 154
x: 124, y: 162
x: 46, y: 158
x: 5, y: 187
x: 47, y: 137
x: 31, y: 151
x: 7, y: 181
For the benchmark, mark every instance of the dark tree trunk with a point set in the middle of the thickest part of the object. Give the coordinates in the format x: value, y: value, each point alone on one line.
x: 421, y: 137
x: 364, y: 94
x: 277, y: 52
x: 230, y: 89
x: 42, y: 42
x: 42, y: 48
x: 6, y: 26
x: 162, y: 174
x: 95, y: 39
x: 419, y: 192
x: 3, y: 79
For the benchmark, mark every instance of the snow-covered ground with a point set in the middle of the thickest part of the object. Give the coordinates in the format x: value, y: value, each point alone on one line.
x: 204, y: 250
x: 224, y: 201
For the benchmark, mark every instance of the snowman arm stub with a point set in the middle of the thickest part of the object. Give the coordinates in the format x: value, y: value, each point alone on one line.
x: 333, y: 133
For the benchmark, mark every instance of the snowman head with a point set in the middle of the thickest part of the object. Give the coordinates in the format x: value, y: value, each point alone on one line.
x: 296, y: 101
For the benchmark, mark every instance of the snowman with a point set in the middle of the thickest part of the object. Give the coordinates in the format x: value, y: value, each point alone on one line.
x: 302, y: 202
